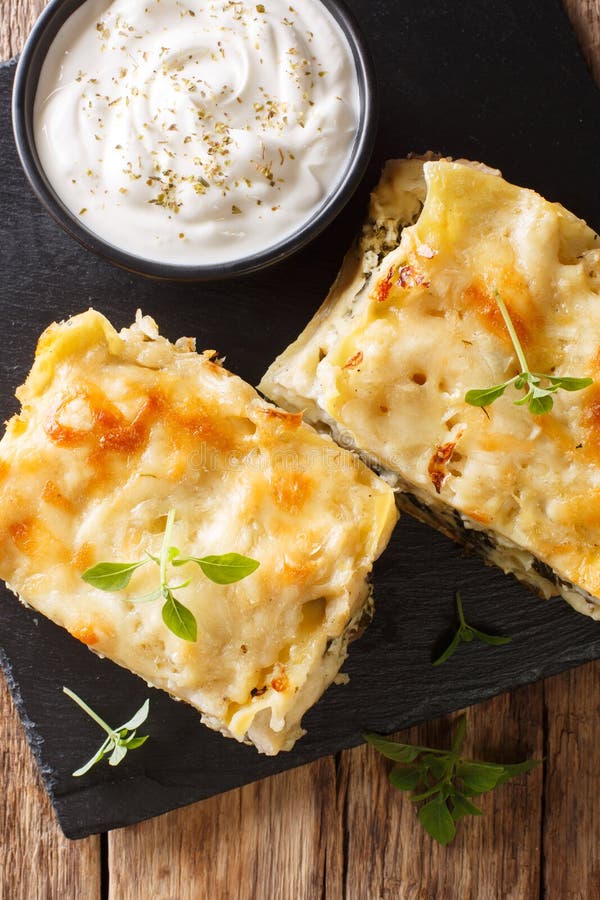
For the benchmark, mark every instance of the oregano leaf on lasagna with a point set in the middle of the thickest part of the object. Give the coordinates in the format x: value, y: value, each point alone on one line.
x: 111, y: 576
x: 179, y: 619
x: 538, y: 386
x: 569, y: 384
x: 226, y: 568
x: 485, y: 396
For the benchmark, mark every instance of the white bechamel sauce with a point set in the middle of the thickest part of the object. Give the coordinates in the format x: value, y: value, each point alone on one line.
x: 196, y: 132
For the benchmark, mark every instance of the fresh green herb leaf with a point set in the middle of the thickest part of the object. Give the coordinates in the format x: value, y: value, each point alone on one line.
x: 537, y: 397
x: 521, y: 381
x: 444, y: 779
x: 119, y: 740
x: 436, y: 820
x: 485, y: 396
x: 430, y: 792
x: 111, y: 576
x: 179, y: 619
x: 495, y: 640
x: 404, y: 753
x: 137, y: 718
x: 515, y: 769
x: 450, y: 649
x: 462, y: 807
x: 405, y: 778
x: 224, y: 569
x: 570, y: 384
x: 118, y: 754
x: 466, y: 633
x: 134, y: 742
x: 477, y: 778
x: 92, y: 762
x: 435, y: 765
x: 539, y: 402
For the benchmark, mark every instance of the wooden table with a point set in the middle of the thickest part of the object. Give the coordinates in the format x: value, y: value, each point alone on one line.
x: 335, y: 829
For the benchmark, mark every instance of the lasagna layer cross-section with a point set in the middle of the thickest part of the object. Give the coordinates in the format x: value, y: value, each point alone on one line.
x: 412, y: 323
x: 115, y: 430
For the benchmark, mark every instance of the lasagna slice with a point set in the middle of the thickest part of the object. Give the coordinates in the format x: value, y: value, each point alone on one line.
x: 413, y: 323
x: 118, y: 429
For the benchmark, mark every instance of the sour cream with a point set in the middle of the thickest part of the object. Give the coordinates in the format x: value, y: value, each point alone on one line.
x: 195, y: 132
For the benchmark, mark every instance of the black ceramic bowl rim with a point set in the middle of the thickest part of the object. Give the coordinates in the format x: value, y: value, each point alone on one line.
x: 25, y: 85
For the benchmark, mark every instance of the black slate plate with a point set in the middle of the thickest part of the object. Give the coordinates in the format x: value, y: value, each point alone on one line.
x: 500, y: 82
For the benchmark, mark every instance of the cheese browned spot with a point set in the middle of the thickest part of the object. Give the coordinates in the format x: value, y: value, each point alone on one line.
x: 34, y: 539
x: 354, y: 361
x: 52, y: 494
x: 115, y: 430
x: 291, y: 490
x: 437, y: 468
x: 417, y: 297
x: 291, y: 420
x: 86, y: 634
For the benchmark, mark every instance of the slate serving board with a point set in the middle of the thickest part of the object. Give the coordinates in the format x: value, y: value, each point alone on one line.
x: 500, y: 82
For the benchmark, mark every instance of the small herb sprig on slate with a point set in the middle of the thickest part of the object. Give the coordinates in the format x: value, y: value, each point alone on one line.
x: 537, y: 397
x: 444, y: 779
x: 466, y: 633
x: 119, y: 741
x: 224, y: 569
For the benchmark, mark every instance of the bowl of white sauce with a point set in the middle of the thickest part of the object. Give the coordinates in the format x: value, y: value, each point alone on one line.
x: 193, y: 139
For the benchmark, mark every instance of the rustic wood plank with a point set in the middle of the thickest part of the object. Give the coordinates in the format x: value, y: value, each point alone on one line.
x: 585, y: 16
x: 36, y: 861
x: 16, y: 19
x: 341, y: 831
x: 389, y: 856
x: 572, y: 790
x: 279, y: 839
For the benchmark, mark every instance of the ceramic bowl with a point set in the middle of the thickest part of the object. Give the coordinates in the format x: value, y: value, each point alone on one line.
x: 24, y: 91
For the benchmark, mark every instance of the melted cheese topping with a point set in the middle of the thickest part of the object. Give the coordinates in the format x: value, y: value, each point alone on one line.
x: 117, y: 428
x: 387, y: 361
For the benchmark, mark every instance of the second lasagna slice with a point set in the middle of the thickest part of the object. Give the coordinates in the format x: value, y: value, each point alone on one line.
x: 135, y: 469
x: 413, y: 323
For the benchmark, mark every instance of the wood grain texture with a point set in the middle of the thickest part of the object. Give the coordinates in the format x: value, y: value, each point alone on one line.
x: 278, y: 838
x: 585, y: 16
x: 36, y: 861
x: 497, y: 855
x: 16, y: 19
x: 335, y: 829
x: 572, y: 789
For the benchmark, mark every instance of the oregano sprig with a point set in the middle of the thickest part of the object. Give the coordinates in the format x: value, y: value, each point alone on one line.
x: 466, y: 633
x: 224, y: 569
x: 538, y: 387
x: 119, y: 741
x: 443, y: 780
